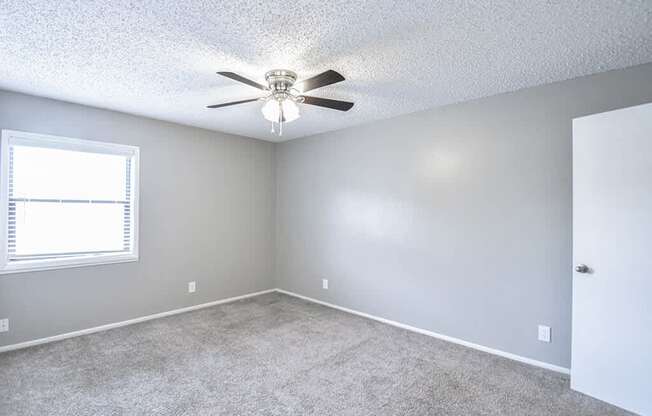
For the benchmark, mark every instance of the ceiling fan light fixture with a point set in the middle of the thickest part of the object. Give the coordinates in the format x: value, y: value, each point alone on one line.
x: 284, y: 110
x: 290, y: 110
x: 283, y: 95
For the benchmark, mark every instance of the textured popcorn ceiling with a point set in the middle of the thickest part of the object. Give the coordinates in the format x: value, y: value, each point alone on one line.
x: 159, y: 58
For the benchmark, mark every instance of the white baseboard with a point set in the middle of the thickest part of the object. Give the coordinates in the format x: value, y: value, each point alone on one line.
x: 479, y: 347
x: 248, y: 295
x: 127, y: 322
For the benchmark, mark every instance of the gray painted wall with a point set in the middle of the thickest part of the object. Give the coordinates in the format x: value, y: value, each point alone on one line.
x: 456, y: 220
x: 206, y: 214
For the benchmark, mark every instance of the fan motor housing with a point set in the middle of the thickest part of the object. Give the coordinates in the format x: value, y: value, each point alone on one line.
x: 280, y: 79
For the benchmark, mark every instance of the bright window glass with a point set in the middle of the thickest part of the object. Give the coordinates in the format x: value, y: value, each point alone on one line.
x: 68, y: 202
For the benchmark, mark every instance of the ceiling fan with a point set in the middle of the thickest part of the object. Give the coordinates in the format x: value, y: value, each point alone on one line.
x: 284, y: 93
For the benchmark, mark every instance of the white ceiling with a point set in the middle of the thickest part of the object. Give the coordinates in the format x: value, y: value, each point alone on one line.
x: 158, y: 58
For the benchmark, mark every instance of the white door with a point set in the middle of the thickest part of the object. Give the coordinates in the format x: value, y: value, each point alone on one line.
x: 612, y: 237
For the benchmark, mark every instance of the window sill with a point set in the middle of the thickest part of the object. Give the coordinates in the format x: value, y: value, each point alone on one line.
x: 43, y: 265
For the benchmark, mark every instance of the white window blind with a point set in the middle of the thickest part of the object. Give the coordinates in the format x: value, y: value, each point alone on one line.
x: 68, y: 202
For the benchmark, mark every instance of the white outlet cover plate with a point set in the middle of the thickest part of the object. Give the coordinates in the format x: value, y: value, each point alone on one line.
x: 4, y: 325
x: 544, y: 333
x: 192, y: 286
x: 324, y: 283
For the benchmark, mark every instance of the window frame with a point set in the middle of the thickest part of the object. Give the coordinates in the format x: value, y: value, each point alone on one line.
x: 10, y: 137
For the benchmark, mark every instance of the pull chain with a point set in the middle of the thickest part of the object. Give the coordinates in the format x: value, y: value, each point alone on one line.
x: 280, y: 119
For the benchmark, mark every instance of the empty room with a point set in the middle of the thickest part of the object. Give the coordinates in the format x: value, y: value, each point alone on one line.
x: 365, y: 207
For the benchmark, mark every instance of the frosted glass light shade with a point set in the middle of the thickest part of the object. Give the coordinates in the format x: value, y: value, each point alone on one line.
x: 290, y: 110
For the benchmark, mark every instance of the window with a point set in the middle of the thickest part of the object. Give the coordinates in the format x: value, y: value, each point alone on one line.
x: 66, y: 202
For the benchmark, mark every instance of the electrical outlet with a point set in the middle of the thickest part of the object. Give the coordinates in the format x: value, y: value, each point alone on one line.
x: 324, y: 283
x: 544, y: 333
x: 4, y: 325
x: 192, y: 286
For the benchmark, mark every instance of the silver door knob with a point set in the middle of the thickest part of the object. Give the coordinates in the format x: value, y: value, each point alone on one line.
x: 582, y: 268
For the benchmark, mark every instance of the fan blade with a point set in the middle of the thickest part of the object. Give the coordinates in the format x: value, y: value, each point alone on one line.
x: 325, y: 78
x: 242, y: 79
x: 232, y: 103
x: 325, y: 102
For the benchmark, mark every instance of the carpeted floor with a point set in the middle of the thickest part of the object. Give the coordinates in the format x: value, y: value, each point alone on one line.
x: 275, y: 355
